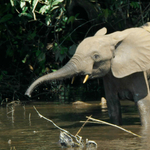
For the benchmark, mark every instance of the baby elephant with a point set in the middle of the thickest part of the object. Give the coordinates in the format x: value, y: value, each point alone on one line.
x: 122, y: 58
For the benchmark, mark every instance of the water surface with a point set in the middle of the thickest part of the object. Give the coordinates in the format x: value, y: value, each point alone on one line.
x: 23, y: 129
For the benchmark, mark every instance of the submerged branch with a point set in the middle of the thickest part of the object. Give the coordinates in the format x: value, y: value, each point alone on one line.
x: 65, y: 136
x: 41, y: 116
x: 104, y: 122
x: 83, y: 125
x: 77, y: 137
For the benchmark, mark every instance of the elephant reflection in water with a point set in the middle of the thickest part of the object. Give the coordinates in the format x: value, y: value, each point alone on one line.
x: 122, y: 58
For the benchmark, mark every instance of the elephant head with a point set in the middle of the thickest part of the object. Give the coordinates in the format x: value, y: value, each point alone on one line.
x: 123, y: 53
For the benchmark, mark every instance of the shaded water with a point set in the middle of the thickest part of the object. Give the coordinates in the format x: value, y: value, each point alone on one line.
x: 24, y: 129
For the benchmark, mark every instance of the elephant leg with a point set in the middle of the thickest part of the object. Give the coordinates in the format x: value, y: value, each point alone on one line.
x: 144, y: 110
x: 142, y: 98
x: 113, y: 101
x: 114, y: 110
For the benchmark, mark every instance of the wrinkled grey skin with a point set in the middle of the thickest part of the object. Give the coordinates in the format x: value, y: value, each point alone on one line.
x: 122, y: 58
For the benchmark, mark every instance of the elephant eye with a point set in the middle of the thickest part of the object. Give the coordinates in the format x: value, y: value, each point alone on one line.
x: 96, y: 57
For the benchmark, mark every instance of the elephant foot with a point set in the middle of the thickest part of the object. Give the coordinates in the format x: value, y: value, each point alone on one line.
x: 116, y: 120
x: 115, y: 116
x: 114, y: 111
x: 144, y: 110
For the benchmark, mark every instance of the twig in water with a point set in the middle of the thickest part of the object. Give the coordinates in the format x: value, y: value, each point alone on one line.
x: 78, y: 138
x: 83, y: 125
x: 65, y: 136
x: 104, y: 122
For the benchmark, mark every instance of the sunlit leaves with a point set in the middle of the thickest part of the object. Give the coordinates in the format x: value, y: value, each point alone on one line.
x: 48, y: 20
x: 56, y: 2
x: 48, y: 8
x: 34, y: 3
x: 12, y: 2
x: 44, y: 9
x: 22, y: 4
x: 25, y: 59
x: 26, y: 14
x: 48, y: 12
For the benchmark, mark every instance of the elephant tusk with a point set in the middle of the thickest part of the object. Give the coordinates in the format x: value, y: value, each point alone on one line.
x: 86, y: 78
x: 73, y: 80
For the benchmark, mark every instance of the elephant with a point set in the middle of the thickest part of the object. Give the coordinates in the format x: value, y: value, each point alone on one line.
x: 122, y: 60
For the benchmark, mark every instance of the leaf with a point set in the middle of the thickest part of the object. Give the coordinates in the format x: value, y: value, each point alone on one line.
x: 22, y: 4
x: 54, y: 70
x: 6, y: 18
x: 25, y: 14
x: 29, y: 1
x: 56, y: 2
x: 41, y: 57
x: 134, y: 5
x: 44, y: 9
x: 65, y: 19
x: 38, y: 52
x: 12, y: 3
x: 72, y: 49
x: 9, y: 52
x: 63, y: 50
x: 48, y: 20
x: 54, y: 8
x: 77, y: 15
x: 71, y: 19
x: 106, y: 13
x: 34, y: 3
x: 31, y: 36
x: 24, y: 9
x: 25, y: 59
x: 58, y: 30
x: 62, y: 57
x: 43, y: 70
x: 4, y: 72
x: 1, y: 77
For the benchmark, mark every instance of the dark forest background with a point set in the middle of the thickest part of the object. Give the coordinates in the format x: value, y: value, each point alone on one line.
x: 39, y: 36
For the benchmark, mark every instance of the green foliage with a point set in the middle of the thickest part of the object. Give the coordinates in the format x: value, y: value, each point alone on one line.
x: 25, y: 30
x: 135, y: 4
x: 38, y: 36
x: 119, y: 15
x: 6, y: 18
x: 72, y: 19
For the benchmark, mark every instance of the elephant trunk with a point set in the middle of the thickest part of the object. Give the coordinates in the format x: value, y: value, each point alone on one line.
x: 65, y: 72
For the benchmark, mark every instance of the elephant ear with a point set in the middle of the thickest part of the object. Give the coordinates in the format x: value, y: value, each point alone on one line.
x: 132, y: 54
x: 101, y: 32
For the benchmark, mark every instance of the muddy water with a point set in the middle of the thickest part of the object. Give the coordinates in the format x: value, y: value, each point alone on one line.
x: 23, y: 129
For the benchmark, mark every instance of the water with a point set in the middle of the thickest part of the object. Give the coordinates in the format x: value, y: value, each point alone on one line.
x: 23, y: 129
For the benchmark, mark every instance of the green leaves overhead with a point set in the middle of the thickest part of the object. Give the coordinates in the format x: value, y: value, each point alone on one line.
x: 22, y: 4
x: 56, y: 2
x: 27, y: 27
x: 50, y: 6
x: 36, y: 6
x: 44, y: 9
